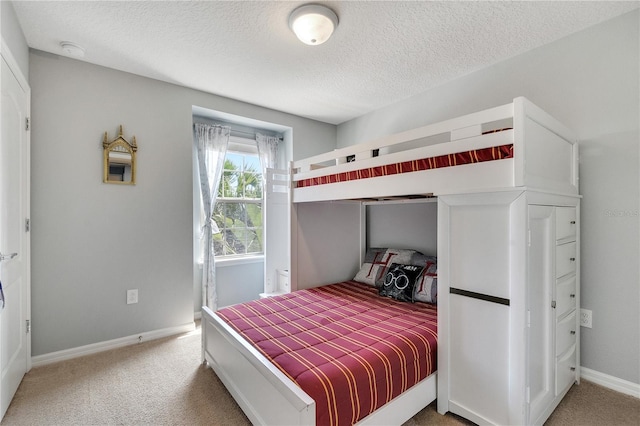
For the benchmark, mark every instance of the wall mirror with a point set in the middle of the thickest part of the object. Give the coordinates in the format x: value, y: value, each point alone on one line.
x: 119, y: 160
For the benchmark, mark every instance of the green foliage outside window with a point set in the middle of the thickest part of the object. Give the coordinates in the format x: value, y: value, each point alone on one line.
x: 238, y: 209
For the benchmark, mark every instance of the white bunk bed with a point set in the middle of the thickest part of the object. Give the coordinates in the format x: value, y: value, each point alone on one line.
x: 544, y: 157
x: 541, y: 170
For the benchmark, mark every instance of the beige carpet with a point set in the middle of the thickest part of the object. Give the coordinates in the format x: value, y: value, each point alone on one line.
x: 163, y: 383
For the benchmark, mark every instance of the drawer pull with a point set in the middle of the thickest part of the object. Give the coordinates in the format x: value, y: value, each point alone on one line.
x: 573, y: 222
x: 572, y: 332
x: 572, y: 368
x: 573, y: 259
x: 572, y: 296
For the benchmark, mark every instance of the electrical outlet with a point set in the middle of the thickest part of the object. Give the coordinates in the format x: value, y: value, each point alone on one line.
x: 132, y: 296
x: 586, y: 317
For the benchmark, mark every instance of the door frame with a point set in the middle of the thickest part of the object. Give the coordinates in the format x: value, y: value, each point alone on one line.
x: 8, y: 57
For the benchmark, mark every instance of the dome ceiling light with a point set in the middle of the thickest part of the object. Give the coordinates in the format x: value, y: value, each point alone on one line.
x: 313, y: 24
x: 72, y: 49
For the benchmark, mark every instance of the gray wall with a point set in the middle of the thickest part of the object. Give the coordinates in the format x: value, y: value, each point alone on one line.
x: 239, y: 283
x: 589, y: 81
x: 12, y: 35
x: 404, y: 226
x: 93, y: 241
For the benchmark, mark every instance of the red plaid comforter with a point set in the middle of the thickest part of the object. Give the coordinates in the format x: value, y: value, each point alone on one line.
x: 349, y: 349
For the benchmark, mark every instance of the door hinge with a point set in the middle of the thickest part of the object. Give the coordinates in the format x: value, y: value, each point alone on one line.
x: 27, y: 123
x: 28, y: 326
x: 27, y: 225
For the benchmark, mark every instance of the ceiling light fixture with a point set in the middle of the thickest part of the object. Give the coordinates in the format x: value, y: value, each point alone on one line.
x: 72, y: 49
x: 313, y: 24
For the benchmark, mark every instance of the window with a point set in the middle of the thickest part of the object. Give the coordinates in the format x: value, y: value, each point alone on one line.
x: 238, y: 209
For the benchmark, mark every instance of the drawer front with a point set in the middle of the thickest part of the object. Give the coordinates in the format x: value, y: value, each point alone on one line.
x: 566, y: 333
x: 565, y: 296
x: 566, y: 371
x: 565, y: 259
x: 565, y: 222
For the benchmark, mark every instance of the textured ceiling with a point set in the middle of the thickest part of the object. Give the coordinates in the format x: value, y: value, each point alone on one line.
x: 381, y: 52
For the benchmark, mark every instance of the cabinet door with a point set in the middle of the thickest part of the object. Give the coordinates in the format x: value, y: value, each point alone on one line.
x: 541, y: 277
x: 481, y: 304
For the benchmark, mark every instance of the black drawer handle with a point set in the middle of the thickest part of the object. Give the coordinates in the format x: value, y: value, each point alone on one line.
x: 573, y: 222
x: 573, y: 259
x: 572, y: 332
x: 573, y: 296
x: 479, y: 296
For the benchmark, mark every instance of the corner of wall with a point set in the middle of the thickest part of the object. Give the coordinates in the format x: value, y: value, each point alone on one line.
x: 13, y: 38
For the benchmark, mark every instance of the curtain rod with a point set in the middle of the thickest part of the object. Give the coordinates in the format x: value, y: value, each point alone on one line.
x: 234, y: 130
x: 252, y: 134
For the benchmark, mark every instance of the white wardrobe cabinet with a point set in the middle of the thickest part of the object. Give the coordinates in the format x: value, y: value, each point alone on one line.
x: 508, y: 276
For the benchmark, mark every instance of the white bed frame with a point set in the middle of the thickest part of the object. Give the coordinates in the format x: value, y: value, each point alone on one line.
x: 545, y: 158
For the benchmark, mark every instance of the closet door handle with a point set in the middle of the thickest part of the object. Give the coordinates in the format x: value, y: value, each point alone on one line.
x: 7, y: 256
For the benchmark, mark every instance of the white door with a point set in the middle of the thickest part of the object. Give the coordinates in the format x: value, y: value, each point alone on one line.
x: 14, y: 238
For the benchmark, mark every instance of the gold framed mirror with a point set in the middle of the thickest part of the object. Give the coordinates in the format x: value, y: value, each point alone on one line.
x: 119, y: 160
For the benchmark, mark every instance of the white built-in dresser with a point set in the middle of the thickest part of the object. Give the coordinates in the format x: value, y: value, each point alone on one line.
x: 508, y: 292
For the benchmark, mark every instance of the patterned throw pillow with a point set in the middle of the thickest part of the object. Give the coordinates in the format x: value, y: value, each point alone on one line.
x: 426, y: 289
x: 377, y: 262
x: 400, y: 281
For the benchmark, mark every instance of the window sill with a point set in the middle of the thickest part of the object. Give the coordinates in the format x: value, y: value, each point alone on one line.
x: 234, y: 261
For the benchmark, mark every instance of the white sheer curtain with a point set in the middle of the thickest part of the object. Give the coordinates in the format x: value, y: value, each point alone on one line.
x: 212, y: 142
x: 267, y: 151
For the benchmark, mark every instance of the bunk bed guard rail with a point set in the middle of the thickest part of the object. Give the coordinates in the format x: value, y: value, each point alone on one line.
x: 534, y: 148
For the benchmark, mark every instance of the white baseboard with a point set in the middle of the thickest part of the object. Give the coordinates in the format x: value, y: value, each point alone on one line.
x: 93, y: 348
x: 197, y: 315
x: 611, y: 382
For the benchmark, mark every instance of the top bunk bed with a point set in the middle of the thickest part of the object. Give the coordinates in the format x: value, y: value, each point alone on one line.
x: 510, y: 146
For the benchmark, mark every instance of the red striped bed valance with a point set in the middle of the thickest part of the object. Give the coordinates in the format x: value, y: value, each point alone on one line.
x: 440, y: 161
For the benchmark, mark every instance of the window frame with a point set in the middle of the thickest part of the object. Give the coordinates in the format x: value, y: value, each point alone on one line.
x: 245, y: 147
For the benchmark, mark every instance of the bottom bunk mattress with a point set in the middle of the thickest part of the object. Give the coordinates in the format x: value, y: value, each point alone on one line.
x: 348, y: 348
